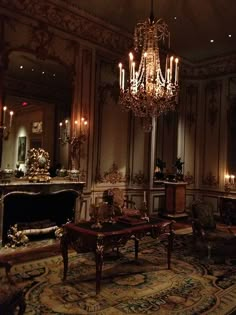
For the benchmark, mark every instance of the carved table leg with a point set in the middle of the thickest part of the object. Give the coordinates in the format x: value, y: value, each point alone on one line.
x: 99, y: 262
x: 64, y: 252
x: 7, y: 265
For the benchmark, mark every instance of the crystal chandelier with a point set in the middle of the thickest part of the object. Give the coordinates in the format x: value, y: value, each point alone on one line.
x: 151, y: 89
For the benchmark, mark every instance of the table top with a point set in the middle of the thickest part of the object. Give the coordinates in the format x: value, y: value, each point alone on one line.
x: 117, y: 227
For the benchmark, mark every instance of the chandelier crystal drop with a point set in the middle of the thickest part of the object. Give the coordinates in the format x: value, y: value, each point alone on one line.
x: 151, y: 88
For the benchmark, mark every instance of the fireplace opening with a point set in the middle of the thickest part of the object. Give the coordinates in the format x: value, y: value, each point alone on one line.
x: 36, y: 215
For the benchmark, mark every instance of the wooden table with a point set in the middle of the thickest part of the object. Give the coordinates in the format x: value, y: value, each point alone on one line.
x: 82, y: 238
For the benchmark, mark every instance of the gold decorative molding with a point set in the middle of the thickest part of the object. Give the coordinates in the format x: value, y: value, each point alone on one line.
x: 210, y: 180
x: 112, y: 176
x: 139, y: 178
x: 41, y: 41
x: 189, y: 178
x: 210, y: 68
x: 71, y: 20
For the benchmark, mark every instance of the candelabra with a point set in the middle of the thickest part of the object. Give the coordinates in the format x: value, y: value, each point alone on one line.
x: 5, y: 128
x: 74, y: 135
x: 230, y: 183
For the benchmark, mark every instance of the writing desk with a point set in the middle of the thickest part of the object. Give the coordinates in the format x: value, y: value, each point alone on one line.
x: 82, y: 238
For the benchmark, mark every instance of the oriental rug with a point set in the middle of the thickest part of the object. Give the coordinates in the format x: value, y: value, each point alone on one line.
x: 194, y: 285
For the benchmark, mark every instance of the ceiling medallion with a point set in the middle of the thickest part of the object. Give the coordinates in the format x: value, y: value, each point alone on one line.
x: 151, y: 88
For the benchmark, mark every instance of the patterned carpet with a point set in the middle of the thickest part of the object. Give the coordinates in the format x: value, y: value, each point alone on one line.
x: 194, y: 285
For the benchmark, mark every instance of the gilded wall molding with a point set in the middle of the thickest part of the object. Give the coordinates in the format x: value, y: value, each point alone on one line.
x: 139, y: 178
x: 113, y: 176
x: 210, y: 180
x: 189, y: 178
x: 215, y: 67
x: 71, y: 20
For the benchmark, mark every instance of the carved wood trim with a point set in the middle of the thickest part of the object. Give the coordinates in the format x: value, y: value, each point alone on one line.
x: 71, y: 20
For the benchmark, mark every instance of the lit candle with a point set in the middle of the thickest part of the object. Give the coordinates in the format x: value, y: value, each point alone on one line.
x: 232, y: 179
x: 176, y: 70
x: 227, y: 179
x: 60, y: 126
x: 168, y: 75
x: 67, y: 128
x: 131, y: 58
x: 144, y: 197
x: 171, y: 67
x: 120, y: 74
x: 75, y: 128
x: 4, y: 114
x: 136, y: 82
x: 123, y: 79
x: 133, y: 70
x: 145, y: 69
x: 11, y: 117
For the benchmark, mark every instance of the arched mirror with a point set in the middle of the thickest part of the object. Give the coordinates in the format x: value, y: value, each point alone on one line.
x: 39, y: 92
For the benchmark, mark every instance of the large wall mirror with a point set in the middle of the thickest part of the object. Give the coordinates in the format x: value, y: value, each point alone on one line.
x: 39, y: 92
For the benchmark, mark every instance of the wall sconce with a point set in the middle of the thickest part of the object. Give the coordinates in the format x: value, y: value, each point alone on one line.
x: 74, y: 136
x: 5, y: 128
x: 230, y: 183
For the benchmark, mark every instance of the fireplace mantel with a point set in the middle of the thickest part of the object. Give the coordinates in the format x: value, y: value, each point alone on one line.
x: 47, y: 188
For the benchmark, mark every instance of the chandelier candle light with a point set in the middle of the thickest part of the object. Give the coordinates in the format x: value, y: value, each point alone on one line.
x: 151, y: 88
x: 6, y: 126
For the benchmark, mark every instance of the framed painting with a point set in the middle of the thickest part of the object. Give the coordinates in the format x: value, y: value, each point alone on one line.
x: 37, y: 127
x: 21, y: 149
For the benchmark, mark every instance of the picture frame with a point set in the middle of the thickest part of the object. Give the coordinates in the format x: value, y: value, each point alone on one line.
x: 21, y: 149
x: 37, y: 127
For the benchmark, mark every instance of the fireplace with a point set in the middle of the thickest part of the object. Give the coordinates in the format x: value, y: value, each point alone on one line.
x: 37, y: 211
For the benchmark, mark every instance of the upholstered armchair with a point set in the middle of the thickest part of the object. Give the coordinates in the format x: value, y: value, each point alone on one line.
x: 12, y: 301
x: 206, y: 231
x: 113, y: 205
x: 122, y: 205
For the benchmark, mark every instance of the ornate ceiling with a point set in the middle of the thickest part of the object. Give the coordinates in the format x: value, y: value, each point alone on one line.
x: 196, y: 23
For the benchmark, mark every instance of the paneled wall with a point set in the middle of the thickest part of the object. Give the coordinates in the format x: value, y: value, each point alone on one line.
x: 203, y: 135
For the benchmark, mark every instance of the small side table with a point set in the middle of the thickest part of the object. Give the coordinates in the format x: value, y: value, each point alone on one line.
x: 175, y: 199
